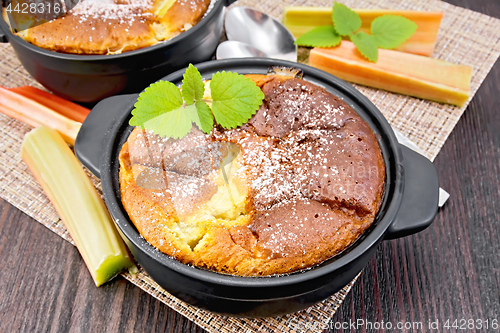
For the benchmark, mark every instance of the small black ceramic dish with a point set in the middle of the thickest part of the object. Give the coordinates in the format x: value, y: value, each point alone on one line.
x: 90, y: 78
x: 409, y: 205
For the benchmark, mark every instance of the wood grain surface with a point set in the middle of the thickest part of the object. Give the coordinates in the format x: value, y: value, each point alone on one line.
x: 451, y: 271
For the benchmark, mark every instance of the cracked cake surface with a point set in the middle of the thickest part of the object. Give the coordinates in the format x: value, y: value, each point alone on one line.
x: 116, y: 26
x: 296, y: 185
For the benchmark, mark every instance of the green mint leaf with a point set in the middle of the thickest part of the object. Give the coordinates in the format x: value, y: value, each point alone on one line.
x: 366, y: 45
x: 175, y: 124
x: 324, y: 36
x: 345, y: 20
x: 235, y: 99
x: 157, y: 99
x: 192, y: 114
x: 390, y: 31
x: 192, y: 85
x: 161, y: 108
x: 193, y: 90
x: 202, y: 116
x: 206, y: 117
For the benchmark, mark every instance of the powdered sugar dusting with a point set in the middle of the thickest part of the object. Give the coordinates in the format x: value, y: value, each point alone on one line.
x: 303, y: 143
x: 120, y: 10
x: 190, y: 3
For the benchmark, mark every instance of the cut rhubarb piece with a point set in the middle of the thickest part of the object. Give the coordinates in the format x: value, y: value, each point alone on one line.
x: 300, y: 20
x: 399, y: 72
x: 35, y: 114
x: 77, y: 202
x: 66, y: 108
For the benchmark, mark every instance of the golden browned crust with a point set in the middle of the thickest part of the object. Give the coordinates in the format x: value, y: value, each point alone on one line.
x: 111, y: 28
x: 311, y: 186
x: 181, y: 16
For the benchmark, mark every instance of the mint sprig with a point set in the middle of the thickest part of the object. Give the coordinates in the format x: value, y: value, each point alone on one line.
x: 156, y: 105
x: 230, y: 92
x: 203, y: 118
x: 390, y: 31
x: 163, y: 109
x: 387, y: 32
x: 345, y: 20
x: 324, y: 36
x: 193, y: 87
x: 366, y: 45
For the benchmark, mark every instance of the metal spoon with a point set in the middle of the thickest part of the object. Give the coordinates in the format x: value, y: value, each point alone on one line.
x: 234, y: 49
x: 260, y: 31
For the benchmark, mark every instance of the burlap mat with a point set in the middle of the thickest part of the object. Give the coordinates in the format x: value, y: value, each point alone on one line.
x: 465, y: 37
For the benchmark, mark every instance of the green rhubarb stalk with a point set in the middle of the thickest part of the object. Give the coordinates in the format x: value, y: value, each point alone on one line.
x: 76, y: 200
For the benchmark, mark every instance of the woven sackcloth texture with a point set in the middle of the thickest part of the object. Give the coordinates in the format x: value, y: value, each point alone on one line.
x: 465, y: 37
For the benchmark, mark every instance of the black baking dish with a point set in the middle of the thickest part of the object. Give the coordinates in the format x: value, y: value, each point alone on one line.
x: 409, y: 205
x: 90, y: 78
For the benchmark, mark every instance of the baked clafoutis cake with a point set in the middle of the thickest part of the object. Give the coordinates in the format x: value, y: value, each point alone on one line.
x: 294, y: 186
x: 115, y: 26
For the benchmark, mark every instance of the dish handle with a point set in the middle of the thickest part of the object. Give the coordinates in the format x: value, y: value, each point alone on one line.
x: 90, y: 140
x: 3, y: 36
x: 419, y: 204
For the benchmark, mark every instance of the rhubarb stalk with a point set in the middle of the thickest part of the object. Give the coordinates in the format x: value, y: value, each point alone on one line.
x: 76, y: 200
x: 400, y: 72
x: 35, y: 114
x: 301, y: 19
x: 66, y: 108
